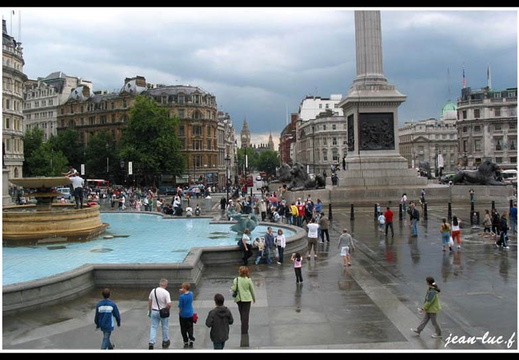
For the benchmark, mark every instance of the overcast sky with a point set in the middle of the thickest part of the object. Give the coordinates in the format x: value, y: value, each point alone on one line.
x: 260, y: 63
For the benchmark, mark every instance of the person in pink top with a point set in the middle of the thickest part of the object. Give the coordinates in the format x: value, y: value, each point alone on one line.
x: 297, y: 260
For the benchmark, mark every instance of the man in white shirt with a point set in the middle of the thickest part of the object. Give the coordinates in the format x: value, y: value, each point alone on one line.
x: 77, y: 183
x: 313, y: 233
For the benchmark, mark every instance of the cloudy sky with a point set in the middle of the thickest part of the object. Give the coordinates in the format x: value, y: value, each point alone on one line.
x: 260, y: 63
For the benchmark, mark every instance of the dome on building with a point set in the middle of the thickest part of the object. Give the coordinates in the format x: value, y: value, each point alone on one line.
x: 449, y: 111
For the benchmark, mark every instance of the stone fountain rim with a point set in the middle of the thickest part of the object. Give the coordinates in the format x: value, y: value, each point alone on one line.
x: 41, y: 181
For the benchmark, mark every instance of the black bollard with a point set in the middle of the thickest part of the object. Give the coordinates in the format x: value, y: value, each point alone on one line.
x: 352, y: 216
x: 472, y: 213
x: 511, y: 204
x: 375, y: 212
x: 449, y: 213
x: 400, y: 212
x: 493, y: 204
x: 425, y: 211
x: 330, y: 216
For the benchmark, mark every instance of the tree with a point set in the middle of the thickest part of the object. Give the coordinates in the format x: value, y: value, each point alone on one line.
x: 68, y: 143
x: 32, y: 140
x: 150, y: 141
x: 100, y: 154
x: 45, y: 161
x: 268, y: 161
x: 250, y: 161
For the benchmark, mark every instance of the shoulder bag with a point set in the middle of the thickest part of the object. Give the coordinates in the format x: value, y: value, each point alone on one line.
x: 235, y: 293
x: 164, y: 312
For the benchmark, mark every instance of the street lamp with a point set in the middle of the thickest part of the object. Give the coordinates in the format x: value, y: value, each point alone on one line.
x: 227, y: 163
x: 121, y: 163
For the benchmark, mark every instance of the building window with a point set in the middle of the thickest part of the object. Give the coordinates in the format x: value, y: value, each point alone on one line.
x: 497, y: 112
x: 465, y: 146
x: 334, y: 141
x: 320, y: 106
x: 477, y: 128
x: 181, y: 130
x: 499, y: 159
x: 512, y: 126
x: 181, y: 113
x: 334, y: 127
x: 464, y: 129
x: 477, y: 145
x: 498, y: 144
x: 513, y: 159
x: 197, y: 130
x: 497, y: 127
x: 464, y: 114
x: 477, y: 113
x: 335, y: 155
x: 325, y: 142
x: 209, y: 144
x: 512, y: 144
x: 327, y: 106
x: 197, y: 145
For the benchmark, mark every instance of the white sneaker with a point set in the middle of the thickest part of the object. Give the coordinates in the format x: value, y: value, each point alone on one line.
x: 436, y: 336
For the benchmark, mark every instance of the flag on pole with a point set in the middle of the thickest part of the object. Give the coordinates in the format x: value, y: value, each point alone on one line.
x: 464, y: 80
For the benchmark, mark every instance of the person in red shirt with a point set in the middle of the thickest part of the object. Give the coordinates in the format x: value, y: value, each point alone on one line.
x: 389, y: 220
x: 301, y: 210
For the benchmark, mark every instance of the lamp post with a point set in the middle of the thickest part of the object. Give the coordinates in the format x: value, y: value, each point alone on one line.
x: 121, y: 163
x: 227, y: 162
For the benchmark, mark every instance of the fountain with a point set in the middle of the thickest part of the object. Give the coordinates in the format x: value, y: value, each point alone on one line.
x: 47, y: 221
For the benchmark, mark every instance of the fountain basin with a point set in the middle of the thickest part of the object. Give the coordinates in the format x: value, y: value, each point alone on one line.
x: 25, y: 226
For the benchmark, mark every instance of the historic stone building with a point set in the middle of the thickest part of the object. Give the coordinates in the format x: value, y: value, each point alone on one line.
x: 432, y: 141
x: 321, y: 142
x: 204, y: 141
x: 12, y: 104
x: 42, y: 98
x: 487, y: 127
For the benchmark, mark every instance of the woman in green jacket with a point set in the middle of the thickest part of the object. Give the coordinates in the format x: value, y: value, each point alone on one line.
x: 430, y: 308
x: 245, y: 288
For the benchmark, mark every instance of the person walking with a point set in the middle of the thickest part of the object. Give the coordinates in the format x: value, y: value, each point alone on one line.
x: 388, y: 215
x: 346, y: 246
x: 445, y: 231
x: 414, y: 215
x: 324, y: 224
x: 159, y: 298
x: 245, y: 288
x: 487, y: 223
x: 503, y: 232
x: 456, y: 231
x: 185, y: 314
x: 106, y: 312
x: 313, y: 231
x: 496, y: 219
x: 219, y: 319
x: 297, y: 260
x: 513, y: 218
x: 430, y: 308
x: 281, y: 243
x: 381, y: 221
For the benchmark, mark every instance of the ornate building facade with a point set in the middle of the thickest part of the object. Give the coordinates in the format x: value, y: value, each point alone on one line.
x: 204, y: 140
x: 42, y: 98
x: 487, y: 127
x: 13, y: 79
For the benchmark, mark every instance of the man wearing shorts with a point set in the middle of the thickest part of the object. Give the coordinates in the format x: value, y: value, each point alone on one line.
x: 346, y: 245
x: 313, y: 232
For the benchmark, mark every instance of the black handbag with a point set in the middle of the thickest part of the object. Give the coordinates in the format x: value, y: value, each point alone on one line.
x: 164, y: 312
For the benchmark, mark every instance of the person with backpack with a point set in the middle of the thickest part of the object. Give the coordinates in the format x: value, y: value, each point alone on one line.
x: 503, y: 232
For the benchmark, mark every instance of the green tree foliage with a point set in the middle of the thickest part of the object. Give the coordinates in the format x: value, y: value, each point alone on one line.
x: 268, y: 161
x: 68, y: 142
x: 250, y: 160
x: 100, y: 148
x: 45, y: 161
x: 33, y: 139
x: 150, y: 141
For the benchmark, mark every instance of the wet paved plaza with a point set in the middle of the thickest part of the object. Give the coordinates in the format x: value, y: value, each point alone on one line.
x: 369, y: 306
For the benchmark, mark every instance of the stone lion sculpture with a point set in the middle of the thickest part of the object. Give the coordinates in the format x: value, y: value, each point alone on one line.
x: 301, y: 180
x: 486, y: 174
x: 284, y: 173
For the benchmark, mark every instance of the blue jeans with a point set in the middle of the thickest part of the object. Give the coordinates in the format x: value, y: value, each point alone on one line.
x: 106, y: 344
x: 155, y: 320
x: 445, y: 238
x: 414, y: 226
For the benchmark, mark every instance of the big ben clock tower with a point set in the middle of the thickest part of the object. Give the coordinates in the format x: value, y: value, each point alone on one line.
x: 245, y: 135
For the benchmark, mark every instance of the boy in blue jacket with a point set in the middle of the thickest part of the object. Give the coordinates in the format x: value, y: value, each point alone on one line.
x: 106, y: 311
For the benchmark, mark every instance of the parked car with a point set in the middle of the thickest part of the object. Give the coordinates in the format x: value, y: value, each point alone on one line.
x: 65, y: 193
x: 446, y: 178
x: 167, y: 190
x: 190, y: 191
